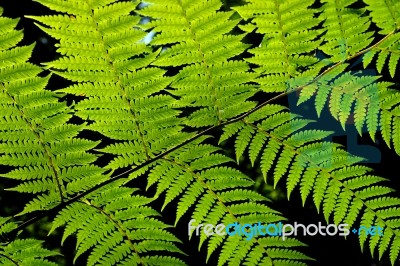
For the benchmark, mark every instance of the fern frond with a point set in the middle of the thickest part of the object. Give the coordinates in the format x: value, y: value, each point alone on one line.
x: 290, y: 39
x: 346, y: 30
x: 197, y: 37
x: 36, y: 140
x: 390, y: 117
x: 385, y: 14
x: 374, y: 104
x: 22, y: 251
x: 347, y: 93
x: 118, y: 228
x: 388, y: 51
x: 345, y: 190
x: 145, y: 74
x: 196, y: 175
x: 123, y: 96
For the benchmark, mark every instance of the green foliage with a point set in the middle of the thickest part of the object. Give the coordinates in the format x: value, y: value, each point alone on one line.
x: 119, y: 227
x: 106, y: 60
x: 386, y: 15
x: 346, y: 30
x: 36, y: 140
x: 330, y: 174
x: 196, y: 175
x: 138, y: 112
x: 22, y: 251
x: 286, y: 51
x: 199, y: 38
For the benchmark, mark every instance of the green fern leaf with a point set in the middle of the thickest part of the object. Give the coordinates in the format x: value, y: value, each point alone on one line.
x: 196, y: 37
x: 346, y: 30
x: 288, y: 43
x: 116, y: 227
x: 385, y: 14
x: 330, y: 173
x: 123, y: 96
x: 142, y: 76
x: 22, y: 251
x: 37, y: 142
x: 220, y: 195
x: 386, y: 52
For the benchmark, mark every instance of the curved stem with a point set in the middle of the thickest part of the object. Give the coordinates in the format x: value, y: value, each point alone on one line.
x: 205, y: 131
x: 10, y: 259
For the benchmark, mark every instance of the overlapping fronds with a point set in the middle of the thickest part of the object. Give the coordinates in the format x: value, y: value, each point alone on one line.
x: 345, y: 190
x: 145, y: 75
x: 346, y: 93
x: 386, y: 52
x: 346, y: 29
x: 118, y: 228
x: 198, y: 38
x: 345, y: 36
x: 103, y: 52
x: 36, y: 141
x: 22, y: 251
x: 386, y: 15
x: 359, y: 97
x: 197, y: 176
x: 289, y: 44
x: 389, y: 118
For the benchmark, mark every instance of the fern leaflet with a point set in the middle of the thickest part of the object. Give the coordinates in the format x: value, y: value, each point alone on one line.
x: 43, y: 151
x: 197, y: 38
x: 345, y: 190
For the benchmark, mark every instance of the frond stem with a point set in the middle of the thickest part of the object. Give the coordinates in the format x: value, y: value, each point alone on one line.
x: 117, y: 225
x: 204, y: 184
x: 42, y: 214
x: 10, y: 259
x: 322, y: 169
x: 204, y: 63
x: 120, y: 84
x: 46, y: 152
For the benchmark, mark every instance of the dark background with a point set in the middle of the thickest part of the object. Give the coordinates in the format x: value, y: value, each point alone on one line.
x: 326, y: 250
